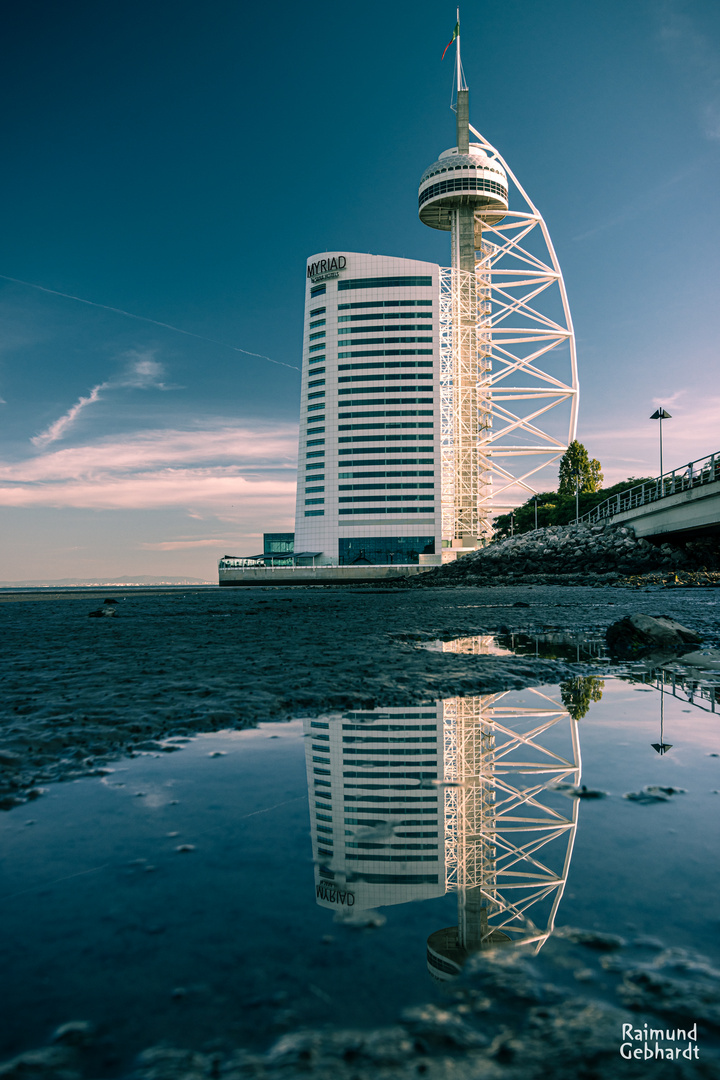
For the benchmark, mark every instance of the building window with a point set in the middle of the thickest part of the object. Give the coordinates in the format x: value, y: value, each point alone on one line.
x: 278, y: 543
x: 318, y: 393
x: 317, y: 464
x: 316, y: 360
x: 384, y: 283
x: 318, y: 322
x: 385, y: 498
x: 316, y: 348
x: 384, y: 550
x: 383, y: 330
x: 370, y: 511
x: 397, y: 412
x: 375, y: 475
x: 386, y: 352
x: 384, y: 341
x: 316, y: 453
x: 317, y: 370
x: 462, y: 183
x: 385, y: 314
x: 383, y: 438
x: 383, y: 427
x: 384, y: 303
x: 393, y: 879
x: 318, y: 382
x: 318, y: 290
x: 320, y: 333
x: 313, y: 408
x: 314, y: 502
x: 375, y: 487
x: 389, y: 364
x: 317, y: 311
x: 313, y: 491
x: 314, y: 513
x: 316, y: 442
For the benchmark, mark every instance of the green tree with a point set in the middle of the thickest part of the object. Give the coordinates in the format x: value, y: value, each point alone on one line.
x: 555, y: 509
x: 575, y: 459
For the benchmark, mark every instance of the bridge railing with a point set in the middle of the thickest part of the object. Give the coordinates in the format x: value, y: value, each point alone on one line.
x: 702, y: 471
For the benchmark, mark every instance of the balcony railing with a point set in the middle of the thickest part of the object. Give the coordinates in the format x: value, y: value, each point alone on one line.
x: 696, y: 473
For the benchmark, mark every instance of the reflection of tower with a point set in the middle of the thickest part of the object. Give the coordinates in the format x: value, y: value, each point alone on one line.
x: 501, y: 754
x: 377, y: 816
x: 503, y: 308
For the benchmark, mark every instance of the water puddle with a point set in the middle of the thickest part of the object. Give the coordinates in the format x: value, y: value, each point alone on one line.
x: 339, y: 868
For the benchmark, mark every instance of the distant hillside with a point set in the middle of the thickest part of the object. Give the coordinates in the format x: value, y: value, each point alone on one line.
x: 128, y: 579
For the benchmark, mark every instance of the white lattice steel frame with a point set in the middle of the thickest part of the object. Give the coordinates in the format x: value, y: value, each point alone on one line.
x: 499, y: 815
x: 521, y: 336
x: 495, y: 388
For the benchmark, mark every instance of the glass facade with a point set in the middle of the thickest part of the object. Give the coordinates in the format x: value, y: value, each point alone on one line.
x: 384, y: 550
x: 278, y: 543
x: 384, y: 282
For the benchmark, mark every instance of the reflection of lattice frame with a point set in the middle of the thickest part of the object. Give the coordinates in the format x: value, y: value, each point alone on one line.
x: 497, y: 820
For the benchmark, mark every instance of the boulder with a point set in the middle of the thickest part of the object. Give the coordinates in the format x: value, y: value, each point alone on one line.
x: 638, y: 635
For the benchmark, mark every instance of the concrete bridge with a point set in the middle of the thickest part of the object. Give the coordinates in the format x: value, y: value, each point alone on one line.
x: 682, y: 505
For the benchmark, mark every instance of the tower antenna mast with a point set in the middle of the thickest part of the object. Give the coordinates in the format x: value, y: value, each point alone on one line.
x: 461, y: 84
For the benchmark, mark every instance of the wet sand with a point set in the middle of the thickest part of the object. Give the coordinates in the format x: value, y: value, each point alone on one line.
x: 79, y: 691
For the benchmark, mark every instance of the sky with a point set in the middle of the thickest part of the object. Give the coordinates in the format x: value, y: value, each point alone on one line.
x: 169, y: 167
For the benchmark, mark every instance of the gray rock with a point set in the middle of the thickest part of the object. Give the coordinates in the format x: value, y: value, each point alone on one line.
x: 638, y: 635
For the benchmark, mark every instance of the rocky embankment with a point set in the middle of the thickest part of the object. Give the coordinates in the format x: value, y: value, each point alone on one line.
x: 573, y: 555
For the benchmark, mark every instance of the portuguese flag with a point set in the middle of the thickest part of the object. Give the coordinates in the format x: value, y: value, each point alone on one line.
x: 456, y: 31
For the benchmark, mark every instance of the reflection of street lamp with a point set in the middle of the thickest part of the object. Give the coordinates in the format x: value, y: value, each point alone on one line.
x: 662, y: 747
x: 661, y: 414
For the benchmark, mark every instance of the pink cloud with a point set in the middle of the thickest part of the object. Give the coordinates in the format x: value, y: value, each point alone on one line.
x: 227, y: 472
x: 692, y: 432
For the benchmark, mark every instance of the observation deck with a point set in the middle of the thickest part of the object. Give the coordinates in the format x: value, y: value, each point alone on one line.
x: 456, y: 179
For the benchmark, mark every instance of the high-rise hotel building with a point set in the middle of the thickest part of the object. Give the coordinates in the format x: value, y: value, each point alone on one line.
x: 369, y: 487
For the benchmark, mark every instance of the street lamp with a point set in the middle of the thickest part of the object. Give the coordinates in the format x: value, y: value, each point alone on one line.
x: 577, y: 474
x: 512, y: 522
x: 536, y: 498
x: 661, y: 414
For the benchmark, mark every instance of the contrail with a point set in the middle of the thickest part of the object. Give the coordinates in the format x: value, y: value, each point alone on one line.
x: 144, y: 318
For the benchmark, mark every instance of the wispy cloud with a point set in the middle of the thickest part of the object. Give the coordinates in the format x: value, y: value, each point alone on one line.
x: 652, y: 198
x: 224, y: 472
x: 670, y: 400
x: 145, y: 319
x: 626, y: 451
x: 697, y: 57
x: 141, y: 372
x: 186, y: 544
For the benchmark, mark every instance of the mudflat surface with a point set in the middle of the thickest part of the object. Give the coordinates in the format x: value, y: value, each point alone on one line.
x: 79, y: 691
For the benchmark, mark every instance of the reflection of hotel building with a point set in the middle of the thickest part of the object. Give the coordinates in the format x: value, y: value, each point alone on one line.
x: 377, y: 816
x: 369, y: 464
x: 408, y: 803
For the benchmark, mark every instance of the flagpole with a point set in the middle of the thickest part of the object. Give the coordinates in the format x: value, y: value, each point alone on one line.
x: 457, y: 54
